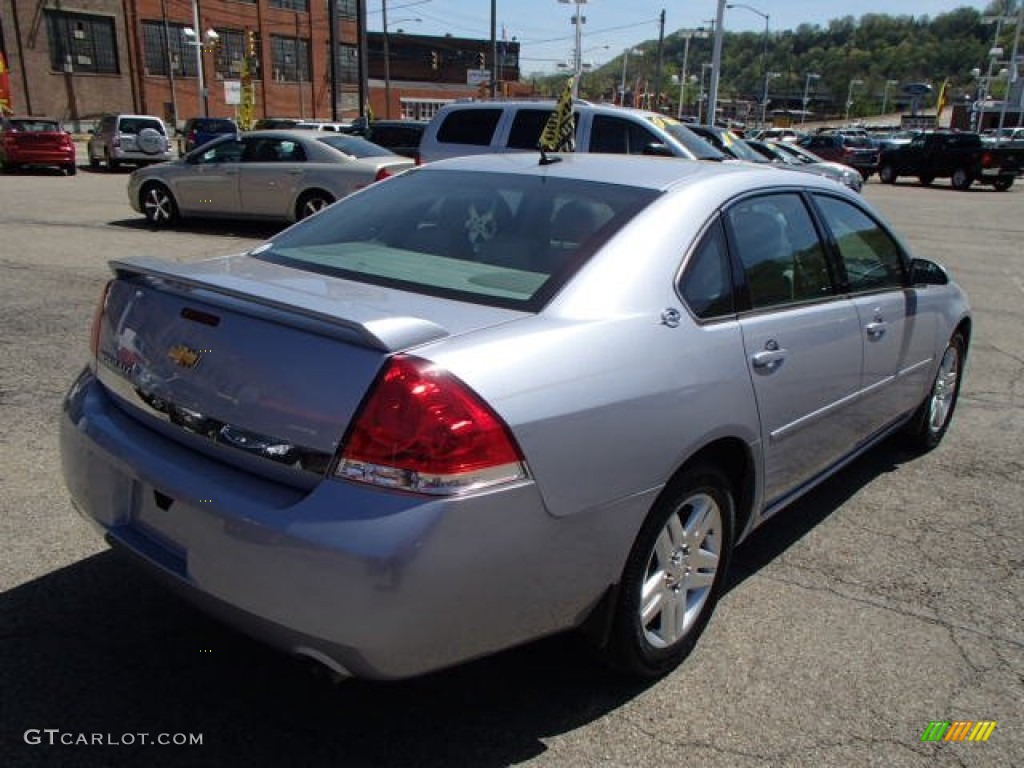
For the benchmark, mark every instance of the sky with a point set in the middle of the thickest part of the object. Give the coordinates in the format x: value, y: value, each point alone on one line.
x: 546, y: 34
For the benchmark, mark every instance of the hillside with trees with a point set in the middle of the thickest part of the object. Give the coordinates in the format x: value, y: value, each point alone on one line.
x: 874, y: 49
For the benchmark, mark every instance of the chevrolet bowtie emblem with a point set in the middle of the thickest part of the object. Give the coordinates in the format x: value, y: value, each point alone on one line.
x: 184, y: 356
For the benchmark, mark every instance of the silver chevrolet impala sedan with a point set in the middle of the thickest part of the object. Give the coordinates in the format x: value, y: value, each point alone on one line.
x: 499, y: 397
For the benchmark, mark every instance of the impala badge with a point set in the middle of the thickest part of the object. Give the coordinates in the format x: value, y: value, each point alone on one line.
x: 184, y: 356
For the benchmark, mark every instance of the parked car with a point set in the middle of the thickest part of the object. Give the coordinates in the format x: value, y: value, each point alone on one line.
x: 400, y: 136
x: 27, y: 140
x: 276, y: 123
x: 275, y: 175
x: 129, y: 139
x: 780, y: 134
x: 202, y: 130
x: 960, y: 156
x: 491, y: 399
x: 855, y: 151
x: 472, y: 128
x: 800, y: 160
x: 320, y: 125
x: 727, y: 142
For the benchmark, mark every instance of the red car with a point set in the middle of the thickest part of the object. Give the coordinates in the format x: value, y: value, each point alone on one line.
x: 35, y: 141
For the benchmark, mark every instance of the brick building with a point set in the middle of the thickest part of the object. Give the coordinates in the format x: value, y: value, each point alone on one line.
x: 78, y: 59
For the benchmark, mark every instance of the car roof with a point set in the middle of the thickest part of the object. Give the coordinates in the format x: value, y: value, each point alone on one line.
x: 657, y: 173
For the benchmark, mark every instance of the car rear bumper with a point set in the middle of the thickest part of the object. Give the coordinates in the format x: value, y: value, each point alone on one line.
x: 36, y: 156
x: 382, y: 584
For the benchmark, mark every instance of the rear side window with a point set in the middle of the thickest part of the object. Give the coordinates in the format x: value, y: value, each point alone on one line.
x: 469, y: 126
x: 527, y: 127
x: 870, y: 256
x: 779, y: 249
x: 707, y: 283
x: 499, y: 239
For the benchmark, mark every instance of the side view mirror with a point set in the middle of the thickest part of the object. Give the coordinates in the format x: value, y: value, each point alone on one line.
x: 924, y: 272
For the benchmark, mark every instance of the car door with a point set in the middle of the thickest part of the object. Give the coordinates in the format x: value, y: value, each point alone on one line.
x: 802, y: 340
x: 272, y: 171
x: 898, y: 337
x: 207, y: 183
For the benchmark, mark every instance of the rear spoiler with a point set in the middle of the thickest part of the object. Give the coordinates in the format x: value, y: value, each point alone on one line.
x: 359, y: 324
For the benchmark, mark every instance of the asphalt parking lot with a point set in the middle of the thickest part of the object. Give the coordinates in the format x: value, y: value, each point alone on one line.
x: 887, y: 599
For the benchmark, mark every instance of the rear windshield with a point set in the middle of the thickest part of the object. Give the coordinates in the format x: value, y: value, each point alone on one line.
x: 497, y: 239
x: 354, y: 146
x: 138, y: 124
x: 215, y: 126
x: 35, y: 126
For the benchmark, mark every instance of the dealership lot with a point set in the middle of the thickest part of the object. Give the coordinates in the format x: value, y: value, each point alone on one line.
x: 888, y: 599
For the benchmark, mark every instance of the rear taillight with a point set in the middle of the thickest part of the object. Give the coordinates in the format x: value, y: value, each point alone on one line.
x: 986, y: 159
x: 417, y: 159
x: 421, y: 429
x: 382, y: 174
x: 97, y: 321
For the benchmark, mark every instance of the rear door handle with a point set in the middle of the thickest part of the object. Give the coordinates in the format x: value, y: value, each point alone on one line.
x: 876, y: 329
x: 768, y: 360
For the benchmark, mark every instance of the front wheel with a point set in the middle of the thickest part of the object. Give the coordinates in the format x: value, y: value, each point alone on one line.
x: 887, y: 174
x: 158, y: 205
x: 312, y: 202
x: 961, y: 179
x: 1003, y: 183
x: 931, y: 420
x: 674, y: 574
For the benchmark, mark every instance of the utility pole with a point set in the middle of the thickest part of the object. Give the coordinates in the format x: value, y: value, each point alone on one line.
x: 657, y: 70
x: 716, y: 64
x: 332, y: 43
x: 494, y: 48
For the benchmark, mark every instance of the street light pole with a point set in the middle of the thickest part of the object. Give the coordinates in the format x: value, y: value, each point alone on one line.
x: 885, y: 94
x: 716, y: 64
x: 203, y: 98
x: 622, y: 87
x: 688, y: 35
x: 807, y: 90
x: 577, y: 58
x: 387, y: 59
x: 849, y: 97
x: 764, y: 54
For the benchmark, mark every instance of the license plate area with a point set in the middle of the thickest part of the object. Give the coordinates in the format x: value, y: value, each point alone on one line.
x: 158, y: 517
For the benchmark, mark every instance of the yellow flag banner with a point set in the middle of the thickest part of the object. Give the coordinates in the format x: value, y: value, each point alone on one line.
x: 940, y: 104
x: 5, y: 88
x: 559, y: 134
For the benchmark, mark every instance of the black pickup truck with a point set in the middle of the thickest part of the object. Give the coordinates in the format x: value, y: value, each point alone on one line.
x: 961, y: 157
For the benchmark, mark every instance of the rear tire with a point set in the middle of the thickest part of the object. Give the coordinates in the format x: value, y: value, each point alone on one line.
x: 673, y: 576
x: 1003, y: 183
x: 71, y: 169
x: 887, y: 174
x: 310, y: 203
x: 931, y: 420
x: 961, y: 179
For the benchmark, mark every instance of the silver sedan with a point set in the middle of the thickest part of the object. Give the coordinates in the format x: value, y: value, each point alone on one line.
x: 498, y: 397
x: 277, y: 175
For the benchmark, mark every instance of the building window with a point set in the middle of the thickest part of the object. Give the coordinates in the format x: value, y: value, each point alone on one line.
x: 231, y: 47
x: 290, y: 57
x: 421, y: 109
x: 155, y: 36
x: 290, y: 5
x: 81, y: 42
x: 348, y: 64
x: 347, y: 9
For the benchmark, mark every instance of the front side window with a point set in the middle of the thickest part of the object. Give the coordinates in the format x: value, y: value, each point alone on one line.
x: 779, y: 249
x: 871, y: 257
x: 261, y: 150
x: 81, y: 42
x: 613, y: 135
x: 527, y: 127
x: 504, y: 240
x: 227, y: 151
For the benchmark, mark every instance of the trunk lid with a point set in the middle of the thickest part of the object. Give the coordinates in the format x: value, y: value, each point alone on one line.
x: 261, y: 365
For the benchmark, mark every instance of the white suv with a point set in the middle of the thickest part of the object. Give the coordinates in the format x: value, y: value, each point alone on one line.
x: 131, y: 139
x: 479, y: 127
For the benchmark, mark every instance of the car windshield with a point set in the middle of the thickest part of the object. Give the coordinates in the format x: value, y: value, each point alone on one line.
x: 702, y: 149
x: 354, y: 146
x: 497, y: 239
x: 35, y: 126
